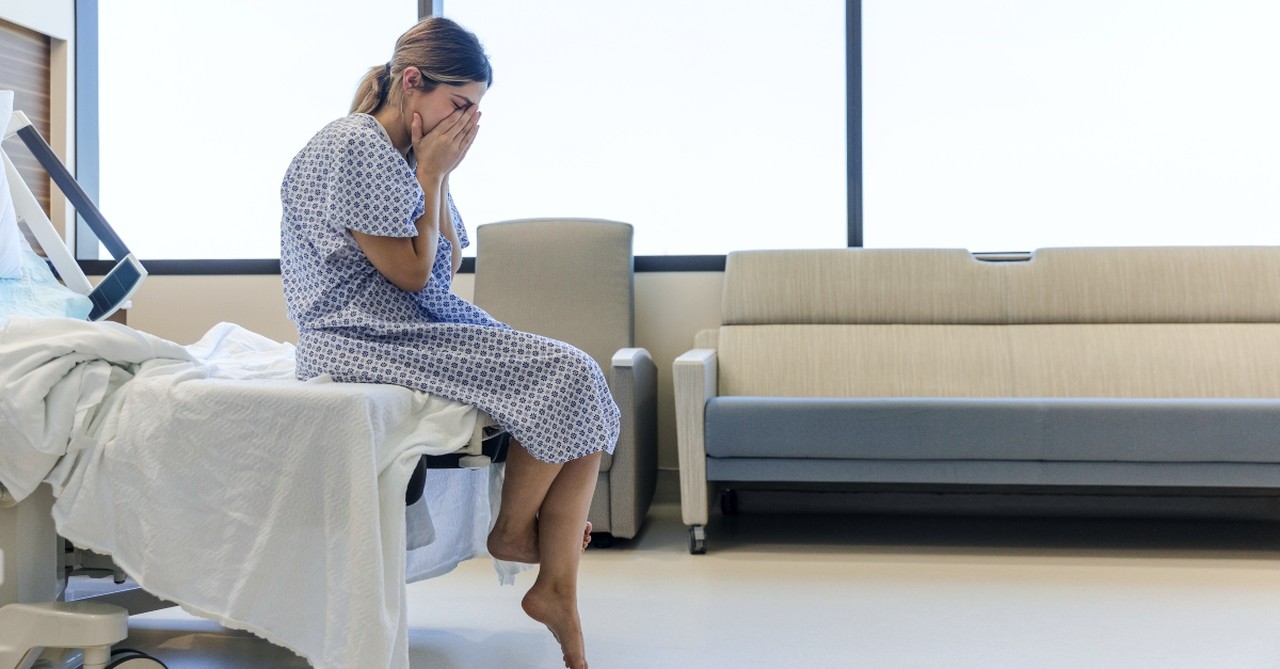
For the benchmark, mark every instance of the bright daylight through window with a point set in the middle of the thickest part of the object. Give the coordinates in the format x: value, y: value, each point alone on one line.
x: 1009, y: 126
x: 713, y: 126
x: 710, y: 126
x: 203, y: 105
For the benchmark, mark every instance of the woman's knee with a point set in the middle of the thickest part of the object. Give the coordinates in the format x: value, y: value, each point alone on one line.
x: 580, y: 363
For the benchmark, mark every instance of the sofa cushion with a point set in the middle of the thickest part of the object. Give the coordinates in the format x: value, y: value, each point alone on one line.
x: 863, y: 361
x: 1120, y: 477
x: 1045, y: 429
x: 1064, y: 360
x: 1206, y: 284
x: 840, y: 286
x: 950, y: 286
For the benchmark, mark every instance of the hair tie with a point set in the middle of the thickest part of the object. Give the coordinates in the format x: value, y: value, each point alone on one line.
x: 384, y: 86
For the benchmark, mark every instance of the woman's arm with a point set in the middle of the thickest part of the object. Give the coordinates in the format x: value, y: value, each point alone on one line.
x: 446, y: 227
x: 406, y: 261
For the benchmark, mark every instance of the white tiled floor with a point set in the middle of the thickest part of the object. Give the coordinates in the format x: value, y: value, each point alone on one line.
x: 890, y: 592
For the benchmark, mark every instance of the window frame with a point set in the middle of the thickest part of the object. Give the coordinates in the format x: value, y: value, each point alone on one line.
x: 87, y: 164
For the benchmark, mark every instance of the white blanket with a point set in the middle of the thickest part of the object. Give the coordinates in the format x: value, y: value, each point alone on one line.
x: 221, y: 483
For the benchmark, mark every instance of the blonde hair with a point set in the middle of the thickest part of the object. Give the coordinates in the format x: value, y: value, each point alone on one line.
x: 443, y: 51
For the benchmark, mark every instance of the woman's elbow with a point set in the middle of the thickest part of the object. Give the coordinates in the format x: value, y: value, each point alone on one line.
x: 410, y: 282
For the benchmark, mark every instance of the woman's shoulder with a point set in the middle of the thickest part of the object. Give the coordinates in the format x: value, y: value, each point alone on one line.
x: 352, y: 130
x: 343, y: 134
x: 355, y: 141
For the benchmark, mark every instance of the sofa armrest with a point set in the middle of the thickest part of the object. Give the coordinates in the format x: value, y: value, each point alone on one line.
x: 695, y: 376
x: 633, y: 381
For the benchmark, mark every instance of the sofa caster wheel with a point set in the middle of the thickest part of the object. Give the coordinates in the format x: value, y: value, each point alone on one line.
x: 697, y: 540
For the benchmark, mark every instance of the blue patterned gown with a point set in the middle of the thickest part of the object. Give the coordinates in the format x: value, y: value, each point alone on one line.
x: 356, y: 326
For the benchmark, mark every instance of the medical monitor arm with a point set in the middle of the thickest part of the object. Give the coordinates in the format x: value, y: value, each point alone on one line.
x: 123, y: 279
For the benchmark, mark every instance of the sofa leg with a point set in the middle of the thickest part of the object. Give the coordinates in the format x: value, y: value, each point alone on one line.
x: 697, y: 540
x: 729, y: 502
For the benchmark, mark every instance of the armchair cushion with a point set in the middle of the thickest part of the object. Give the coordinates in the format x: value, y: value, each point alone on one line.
x: 567, y: 279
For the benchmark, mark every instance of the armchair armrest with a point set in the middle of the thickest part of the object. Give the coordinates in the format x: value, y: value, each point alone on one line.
x: 695, y: 375
x: 630, y: 357
x: 633, y: 473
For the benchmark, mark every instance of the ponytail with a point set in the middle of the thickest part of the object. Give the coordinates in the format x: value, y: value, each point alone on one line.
x: 371, y: 92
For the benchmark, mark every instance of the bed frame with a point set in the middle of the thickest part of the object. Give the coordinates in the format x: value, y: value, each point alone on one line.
x: 34, y: 626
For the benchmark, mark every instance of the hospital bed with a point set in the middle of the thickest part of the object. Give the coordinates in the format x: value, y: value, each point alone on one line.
x: 290, y: 495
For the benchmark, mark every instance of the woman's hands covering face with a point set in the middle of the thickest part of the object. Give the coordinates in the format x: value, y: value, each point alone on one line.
x: 442, y: 148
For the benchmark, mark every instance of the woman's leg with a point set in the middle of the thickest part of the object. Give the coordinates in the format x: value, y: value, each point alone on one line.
x: 553, y: 599
x: 544, y: 508
x: 524, y: 488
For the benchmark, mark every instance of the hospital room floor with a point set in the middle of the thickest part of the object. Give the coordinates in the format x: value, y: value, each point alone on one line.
x: 884, y: 592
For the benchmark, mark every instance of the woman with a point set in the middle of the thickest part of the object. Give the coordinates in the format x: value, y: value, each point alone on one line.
x: 370, y: 240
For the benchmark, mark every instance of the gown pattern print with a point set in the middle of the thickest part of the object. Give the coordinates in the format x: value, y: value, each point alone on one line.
x: 356, y: 326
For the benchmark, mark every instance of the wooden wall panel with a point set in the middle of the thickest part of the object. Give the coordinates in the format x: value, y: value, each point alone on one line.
x: 24, y: 69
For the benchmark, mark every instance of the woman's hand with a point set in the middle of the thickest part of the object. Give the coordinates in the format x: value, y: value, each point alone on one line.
x: 441, y: 149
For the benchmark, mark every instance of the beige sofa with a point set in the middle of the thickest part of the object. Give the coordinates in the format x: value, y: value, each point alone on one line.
x: 1134, y: 368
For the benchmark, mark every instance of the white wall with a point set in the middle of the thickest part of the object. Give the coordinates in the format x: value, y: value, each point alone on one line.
x: 55, y: 18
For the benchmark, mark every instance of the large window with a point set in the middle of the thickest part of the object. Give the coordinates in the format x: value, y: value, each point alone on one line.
x: 710, y: 126
x: 202, y: 106
x: 1000, y: 126
x: 713, y: 126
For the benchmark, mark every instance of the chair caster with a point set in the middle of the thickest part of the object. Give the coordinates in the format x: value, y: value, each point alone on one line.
x: 697, y: 540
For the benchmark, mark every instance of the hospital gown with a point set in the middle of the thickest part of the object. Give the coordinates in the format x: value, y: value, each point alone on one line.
x: 356, y: 326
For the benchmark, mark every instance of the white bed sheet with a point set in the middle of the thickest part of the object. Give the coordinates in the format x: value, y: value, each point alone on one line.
x: 221, y: 483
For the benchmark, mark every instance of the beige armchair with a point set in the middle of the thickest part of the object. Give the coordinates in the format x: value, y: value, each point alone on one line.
x: 572, y: 280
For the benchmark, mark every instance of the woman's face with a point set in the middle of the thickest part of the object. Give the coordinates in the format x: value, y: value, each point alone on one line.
x: 442, y: 101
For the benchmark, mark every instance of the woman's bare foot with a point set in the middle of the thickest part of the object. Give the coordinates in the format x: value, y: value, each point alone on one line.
x: 521, y: 545
x: 559, y: 612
